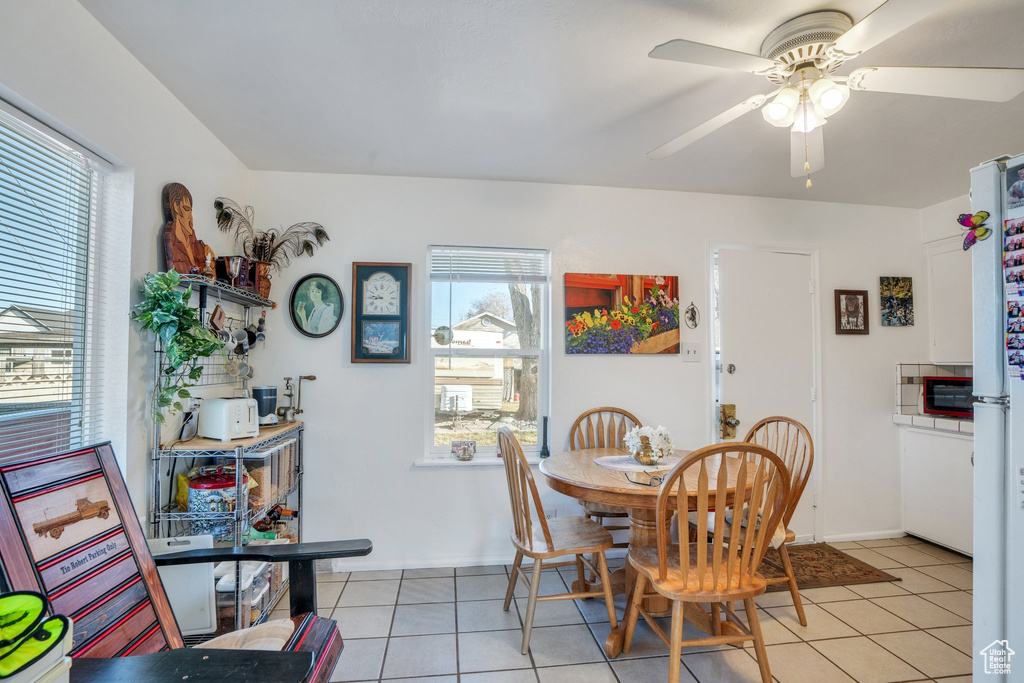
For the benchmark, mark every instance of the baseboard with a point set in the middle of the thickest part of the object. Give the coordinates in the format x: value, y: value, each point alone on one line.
x: 865, y: 536
x: 343, y: 565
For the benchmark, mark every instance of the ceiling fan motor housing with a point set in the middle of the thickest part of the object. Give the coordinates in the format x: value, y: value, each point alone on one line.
x: 804, y: 41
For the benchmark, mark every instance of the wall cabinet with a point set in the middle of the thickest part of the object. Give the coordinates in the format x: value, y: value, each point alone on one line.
x: 949, y: 302
x: 938, y: 487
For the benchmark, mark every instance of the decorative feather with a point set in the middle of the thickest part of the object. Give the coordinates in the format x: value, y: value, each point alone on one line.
x: 272, y: 246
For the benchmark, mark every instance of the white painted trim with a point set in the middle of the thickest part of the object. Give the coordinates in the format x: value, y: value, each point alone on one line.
x: 343, y: 565
x: 817, y: 428
x: 486, y: 461
x: 865, y: 536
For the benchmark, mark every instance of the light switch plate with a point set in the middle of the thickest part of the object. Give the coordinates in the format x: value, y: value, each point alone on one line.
x: 690, y: 351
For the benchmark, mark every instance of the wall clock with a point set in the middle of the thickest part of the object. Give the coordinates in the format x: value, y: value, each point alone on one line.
x: 380, y: 321
x: 381, y: 294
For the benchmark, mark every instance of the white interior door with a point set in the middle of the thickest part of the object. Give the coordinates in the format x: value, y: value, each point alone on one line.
x: 766, y: 343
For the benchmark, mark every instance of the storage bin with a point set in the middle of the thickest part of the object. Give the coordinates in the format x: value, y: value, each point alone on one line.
x: 226, y: 601
x: 215, y: 493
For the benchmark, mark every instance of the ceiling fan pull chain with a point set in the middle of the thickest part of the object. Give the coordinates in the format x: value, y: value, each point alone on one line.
x: 807, y: 157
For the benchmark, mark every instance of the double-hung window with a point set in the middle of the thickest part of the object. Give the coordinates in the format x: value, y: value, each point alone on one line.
x: 489, y: 342
x: 51, y: 372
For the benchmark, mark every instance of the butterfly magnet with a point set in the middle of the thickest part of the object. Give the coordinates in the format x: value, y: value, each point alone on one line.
x: 977, y: 231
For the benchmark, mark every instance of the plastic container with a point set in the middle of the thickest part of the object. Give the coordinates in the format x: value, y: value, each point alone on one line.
x: 260, y: 601
x: 215, y: 493
x: 279, y: 571
x: 226, y: 601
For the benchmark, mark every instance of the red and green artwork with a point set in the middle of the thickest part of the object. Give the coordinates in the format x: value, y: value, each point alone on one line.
x: 621, y: 314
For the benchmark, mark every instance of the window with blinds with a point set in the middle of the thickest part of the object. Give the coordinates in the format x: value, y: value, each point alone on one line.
x: 48, y: 195
x: 489, y: 341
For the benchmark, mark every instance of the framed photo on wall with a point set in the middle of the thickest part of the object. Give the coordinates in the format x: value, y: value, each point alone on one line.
x: 851, y: 311
x: 316, y: 305
x: 380, y: 312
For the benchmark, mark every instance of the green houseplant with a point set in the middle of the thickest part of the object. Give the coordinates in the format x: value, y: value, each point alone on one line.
x: 165, y: 311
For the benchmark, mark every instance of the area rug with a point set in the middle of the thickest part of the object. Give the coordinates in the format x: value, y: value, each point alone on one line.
x: 816, y: 565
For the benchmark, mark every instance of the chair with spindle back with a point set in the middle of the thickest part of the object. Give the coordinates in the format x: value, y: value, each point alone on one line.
x: 791, y: 441
x: 540, y: 539
x: 709, y: 569
x: 602, y: 428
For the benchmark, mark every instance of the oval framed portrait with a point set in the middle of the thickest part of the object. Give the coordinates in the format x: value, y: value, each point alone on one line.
x: 316, y: 305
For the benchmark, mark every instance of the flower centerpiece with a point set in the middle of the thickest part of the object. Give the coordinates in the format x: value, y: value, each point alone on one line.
x: 648, y: 444
x: 624, y: 328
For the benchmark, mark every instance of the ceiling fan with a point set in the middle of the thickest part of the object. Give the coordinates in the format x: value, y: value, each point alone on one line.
x: 800, y: 57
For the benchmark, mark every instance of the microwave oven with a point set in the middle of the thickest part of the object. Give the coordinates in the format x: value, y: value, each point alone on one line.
x: 952, y: 396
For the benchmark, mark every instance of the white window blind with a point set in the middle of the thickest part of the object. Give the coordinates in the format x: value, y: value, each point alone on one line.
x: 49, y: 194
x: 483, y: 264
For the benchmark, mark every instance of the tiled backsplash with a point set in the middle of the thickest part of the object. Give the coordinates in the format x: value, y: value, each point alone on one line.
x: 908, y: 395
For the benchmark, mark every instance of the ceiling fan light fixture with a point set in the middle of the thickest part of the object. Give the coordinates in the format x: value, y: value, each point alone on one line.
x: 828, y: 96
x: 805, y: 118
x: 779, y: 112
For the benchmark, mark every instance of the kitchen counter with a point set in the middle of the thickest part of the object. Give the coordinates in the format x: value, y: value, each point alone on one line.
x: 945, y: 424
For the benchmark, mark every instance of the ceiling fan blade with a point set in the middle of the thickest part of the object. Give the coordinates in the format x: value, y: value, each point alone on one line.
x: 886, y: 21
x: 814, y: 153
x: 991, y: 85
x: 711, y: 55
x: 713, y: 124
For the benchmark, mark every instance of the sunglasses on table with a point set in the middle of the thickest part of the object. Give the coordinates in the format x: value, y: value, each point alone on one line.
x: 652, y: 479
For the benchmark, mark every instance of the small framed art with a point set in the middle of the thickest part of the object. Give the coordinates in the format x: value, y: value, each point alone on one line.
x: 380, y: 312
x: 316, y: 305
x: 851, y: 311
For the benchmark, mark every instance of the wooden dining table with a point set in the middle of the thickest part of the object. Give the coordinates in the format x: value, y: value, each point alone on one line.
x: 576, y: 474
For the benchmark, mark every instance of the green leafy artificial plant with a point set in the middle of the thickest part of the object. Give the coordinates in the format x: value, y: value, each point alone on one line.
x: 165, y: 311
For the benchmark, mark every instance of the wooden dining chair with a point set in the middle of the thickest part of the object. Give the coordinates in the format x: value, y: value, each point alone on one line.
x: 540, y: 539
x: 602, y: 428
x: 790, y: 440
x: 708, y: 569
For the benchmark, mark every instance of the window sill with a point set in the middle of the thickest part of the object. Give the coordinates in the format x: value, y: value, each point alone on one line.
x: 485, y: 461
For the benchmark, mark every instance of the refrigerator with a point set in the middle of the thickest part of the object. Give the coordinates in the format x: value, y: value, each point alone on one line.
x: 998, y: 429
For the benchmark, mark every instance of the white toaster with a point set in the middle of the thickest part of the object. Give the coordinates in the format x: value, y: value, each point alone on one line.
x: 228, y: 418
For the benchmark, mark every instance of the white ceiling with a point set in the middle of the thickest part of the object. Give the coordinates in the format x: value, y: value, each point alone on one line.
x: 562, y: 91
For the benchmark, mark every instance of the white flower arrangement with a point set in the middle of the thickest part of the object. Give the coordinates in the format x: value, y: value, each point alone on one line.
x: 661, y: 440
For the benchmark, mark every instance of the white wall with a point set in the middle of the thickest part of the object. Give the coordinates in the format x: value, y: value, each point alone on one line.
x: 57, y: 60
x: 938, y: 221
x: 367, y: 423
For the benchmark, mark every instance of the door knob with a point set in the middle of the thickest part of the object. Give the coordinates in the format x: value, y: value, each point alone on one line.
x: 727, y: 421
x: 730, y: 368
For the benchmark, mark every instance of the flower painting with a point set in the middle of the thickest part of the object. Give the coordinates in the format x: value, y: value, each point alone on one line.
x: 621, y: 314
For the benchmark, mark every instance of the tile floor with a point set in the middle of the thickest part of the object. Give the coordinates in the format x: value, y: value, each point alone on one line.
x: 447, y: 625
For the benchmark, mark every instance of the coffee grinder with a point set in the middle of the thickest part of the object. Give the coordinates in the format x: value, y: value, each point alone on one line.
x: 266, y: 404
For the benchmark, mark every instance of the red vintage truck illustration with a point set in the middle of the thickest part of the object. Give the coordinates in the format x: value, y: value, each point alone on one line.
x: 85, y: 510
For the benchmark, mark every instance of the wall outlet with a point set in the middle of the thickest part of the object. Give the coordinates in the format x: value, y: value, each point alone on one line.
x: 551, y: 514
x: 690, y: 351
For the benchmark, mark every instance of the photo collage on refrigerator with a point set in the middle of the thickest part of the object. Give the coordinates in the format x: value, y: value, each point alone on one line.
x: 1013, y: 270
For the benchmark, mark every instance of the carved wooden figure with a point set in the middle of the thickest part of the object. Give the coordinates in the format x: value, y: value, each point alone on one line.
x: 183, y: 251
